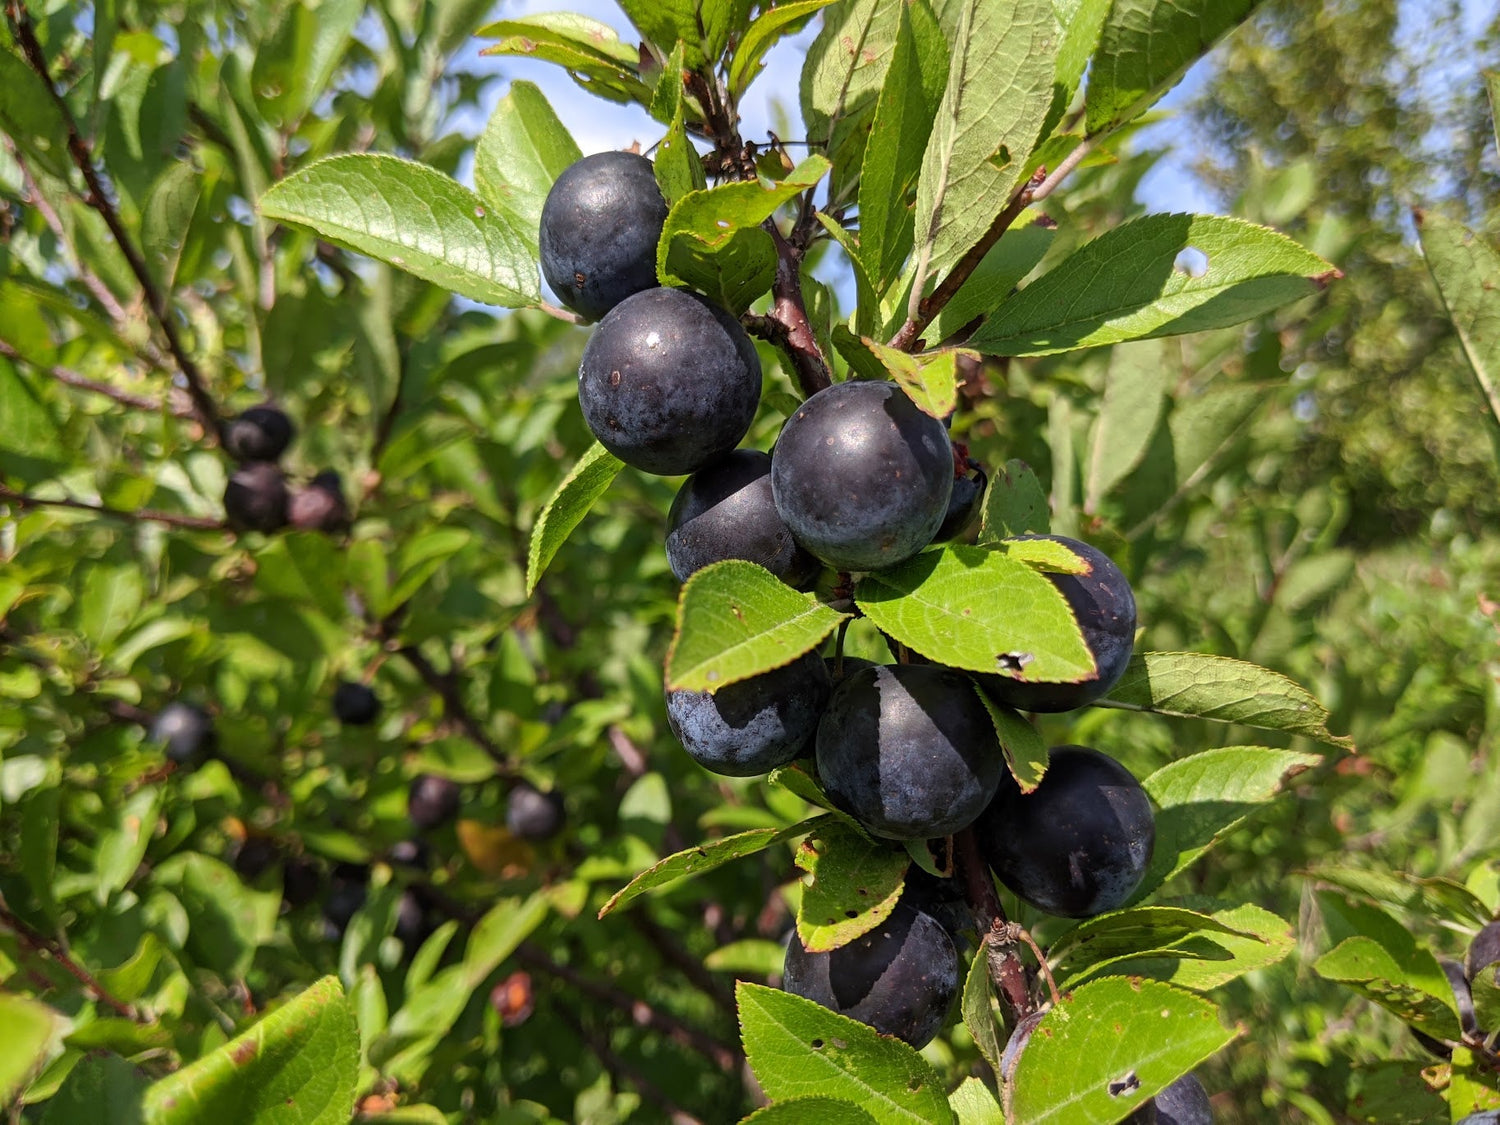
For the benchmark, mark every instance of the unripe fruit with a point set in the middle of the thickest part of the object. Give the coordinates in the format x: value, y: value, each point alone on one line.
x: 753, y: 726
x: 261, y: 433
x: 900, y: 978
x: 909, y: 750
x: 431, y: 800
x: 355, y: 704
x: 725, y: 511
x: 533, y: 815
x: 255, y: 498
x: 669, y: 381
x: 1104, y: 606
x: 1078, y: 844
x: 861, y: 476
x: 600, y: 226
x: 185, y: 731
x: 320, y: 506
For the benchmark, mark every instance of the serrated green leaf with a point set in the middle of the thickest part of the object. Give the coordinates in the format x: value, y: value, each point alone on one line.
x: 735, y: 620
x: 1127, y: 284
x: 1108, y: 1047
x: 591, y: 52
x: 1466, y: 269
x: 413, y: 217
x: 799, y: 1111
x: 978, y: 610
x: 1492, y: 87
x: 768, y: 27
x: 109, y: 600
x: 30, y: 117
x: 998, y: 91
x: 100, y: 1090
x: 304, y: 567
x: 795, y: 779
x: 904, y: 112
x: 1146, y: 46
x: 678, y: 168
x: 930, y: 380
x: 496, y: 936
x: 796, y: 1047
x: 1202, y: 798
x: 978, y: 1007
x: 1047, y: 555
x: 1135, y: 395
x: 854, y: 885
x: 1405, y: 979
x: 586, y: 481
x: 1022, y: 744
x: 27, y: 427
x: 1133, y: 931
x: 1197, y: 686
x: 1472, y: 1087
x: 422, y: 557
x: 30, y: 1033
x: 1423, y: 897
x: 520, y: 154
x: 999, y: 271
x: 707, y: 856
x: 166, y: 218
x: 1014, y: 504
x: 297, y: 1066
x: 295, y: 62
x: 973, y: 1104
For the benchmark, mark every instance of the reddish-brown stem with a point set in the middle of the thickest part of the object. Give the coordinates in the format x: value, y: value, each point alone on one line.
x: 101, y: 200
x: 1006, y: 969
x: 143, y: 515
x: 71, y: 378
x: 56, y: 952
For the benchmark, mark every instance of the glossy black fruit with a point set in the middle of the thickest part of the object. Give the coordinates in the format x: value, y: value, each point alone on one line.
x: 411, y: 920
x: 756, y: 725
x: 532, y: 814
x: 432, y: 800
x: 320, y: 506
x: 185, y: 731
x: 261, y: 433
x: 1077, y: 845
x: 909, y: 750
x: 669, y: 381
x: 600, y: 226
x: 861, y: 476
x: 942, y: 898
x: 963, y: 505
x: 1184, y: 1102
x: 254, y: 857
x: 725, y: 511
x: 1483, y: 1117
x: 900, y: 978
x: 255, y: 498
x: 410, y: 853
x: 1104, y: 605
x: 355, y: 704
x: 300, y: 882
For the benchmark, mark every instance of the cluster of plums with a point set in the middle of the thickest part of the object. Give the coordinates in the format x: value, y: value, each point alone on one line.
x: 257, y: 498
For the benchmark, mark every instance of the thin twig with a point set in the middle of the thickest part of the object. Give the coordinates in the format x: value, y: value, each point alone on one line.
x: 457, y: 711
x: 1006, y: 968
x: 141, y: 515
x: 71, y: 378
x: 101, y: 200
x: 57, y: 952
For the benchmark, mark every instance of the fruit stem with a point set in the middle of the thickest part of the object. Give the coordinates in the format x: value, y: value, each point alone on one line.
x: 143, y: 515
x: 1006, y: 969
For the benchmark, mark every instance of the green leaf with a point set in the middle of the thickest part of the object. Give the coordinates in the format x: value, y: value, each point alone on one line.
x: 1014, y: 504
x: 854, y: 885
x: 415, y: 218
x: 1023, y: 745
x: 167, y: 217
x: 1492, y: 87
x: 30, y: 1033
x: 979, y: 610
x: 110, y: 598
x: 520, y: 154
x: 978, y: 1007
x: 496, y: 936
x: 1202, y: 798
x: 904, y: 112
x: 304, y: 567
x: 1135, y: 395
x: 1127, y: 284
x: 122, y: 844
x: 705, y: 857
x: 1081, y: 21
x: 1146, y: 46
x: 297, y: 1066
x: 974, y: 1104
x: 1197, y: 686
x: 1429, y: 897
x: 30, y: 117
x: 591, y: 52
x: 866, y: 306
x: 666, y: 22
x: 678, y: 167
x: 735, y: 620
x: 26, y: 425
x: 588, y: 480
x: 1399, y: 975
x: 712, y: 239
x: 1466, y: 270
x: 227, y: 921
x: 295, y: 62
x: 999, y: 88
x: 1108, y: 1047
x: 100, y: 1090
x: 424, y: 556
x: 763, y: 34
x: 930, y: 380
x: 796, y: 1047
x: 1132, y: 931
x: 798, y: 1111
x: 999, y: 271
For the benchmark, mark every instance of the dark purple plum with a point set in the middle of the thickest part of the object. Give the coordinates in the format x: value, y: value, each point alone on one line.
x: 1483, y: 1117
x: 410, y: 853
x: 669, y: 381
x: 347, y: 891
x: 861, y: 476
x: 1104, y: 605
x: 185, y: 731
x: 900, y: 978
x: 1184, y: 1102
x: 261, y: 433
x: 431, y: 800
x: 255, y: 856
x: 600, y: 226
x: 355, y: 704
x: 255, y: 498
x: 963, y: 506
x: 851, y: 664
x: 320, y: 506
x: 532, y: 814
x: 412, y: 927
x: 1079, y: 843
x: 725, y: 511
x: 909, y: 750
x: 753, y: 726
